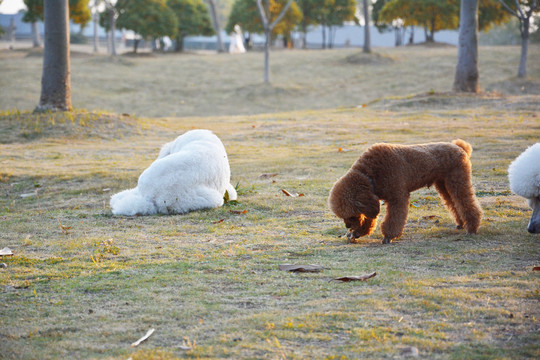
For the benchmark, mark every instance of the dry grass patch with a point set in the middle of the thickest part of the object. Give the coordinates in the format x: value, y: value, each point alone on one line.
x: 86, y: 284
x: 215, y: 85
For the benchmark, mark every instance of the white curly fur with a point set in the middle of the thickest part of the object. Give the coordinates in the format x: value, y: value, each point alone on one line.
x: 524, y: 176
x: 190, y: 173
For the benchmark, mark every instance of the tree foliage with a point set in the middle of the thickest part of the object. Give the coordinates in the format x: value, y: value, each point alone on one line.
x: 193, y: 17
x: 310, y: 12
x: 434, y: 15
x: 340, y: 11
x: 34, y: 11
x: 290, y: 20
x: 79, y: 12
x: 148, y: 18
x: 246, y: 14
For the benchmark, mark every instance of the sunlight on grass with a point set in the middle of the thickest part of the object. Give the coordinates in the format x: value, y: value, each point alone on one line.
x: 86, y: 283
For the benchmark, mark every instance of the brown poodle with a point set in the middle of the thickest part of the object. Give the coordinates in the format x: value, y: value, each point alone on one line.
x: 390, y: 172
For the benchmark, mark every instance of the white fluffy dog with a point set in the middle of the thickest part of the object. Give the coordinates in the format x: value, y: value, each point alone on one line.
x: 524, y: 176
x: 190, y: 173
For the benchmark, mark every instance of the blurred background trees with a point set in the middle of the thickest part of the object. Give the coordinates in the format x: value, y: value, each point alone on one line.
x: 193, y: 19
x: 151, y: 19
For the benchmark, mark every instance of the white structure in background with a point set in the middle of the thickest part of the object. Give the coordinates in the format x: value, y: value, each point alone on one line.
x: 237, y: 41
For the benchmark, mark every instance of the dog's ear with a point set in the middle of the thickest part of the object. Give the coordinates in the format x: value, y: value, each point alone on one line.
x: 352, y: 195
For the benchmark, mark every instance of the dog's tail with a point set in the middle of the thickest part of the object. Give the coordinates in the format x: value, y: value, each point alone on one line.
x: 464, y: 145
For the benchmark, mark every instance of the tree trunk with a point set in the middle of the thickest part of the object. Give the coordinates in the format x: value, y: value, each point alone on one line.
x: 179, y: 46
x: 113, y: 32
x: 35, y: 35
x: 217, y: 28
x: 367, y: 39
x: 55, y: 81
x: 466, y: 77
x: 268, y: 26
x: 136, y: 44
x: 11, y: 30
x: 397, y: 36
x: 96, y: 35
x: 267, y: 32
x: 330, y: 37
x: 522, y: 71
x: 432, y: 31
x: 323, y: 36
x: 304, y: 34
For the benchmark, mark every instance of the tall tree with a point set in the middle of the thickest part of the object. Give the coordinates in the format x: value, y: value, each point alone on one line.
x: 367, y: 38
x: 216, y: 23
x: 466, y: 77
x: 288, y: 23
x: 193, y: 19
x: 339, y: 11
x: 268, y: 26
x: 149, y: 18
x: 95, y: 19
x: 107, y: 20
x: 55, y: 80
x: 523, y: 10
x: 310, y: 14
x: 33, y: 14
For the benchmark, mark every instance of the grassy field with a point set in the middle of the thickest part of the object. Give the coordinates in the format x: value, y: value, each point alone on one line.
x: 209, y: 85
x: 86, y: 284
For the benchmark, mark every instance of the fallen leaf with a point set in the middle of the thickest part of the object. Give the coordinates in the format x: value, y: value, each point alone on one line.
x: 300, y: 268
x: 136, y: 343
x: 267, y: 176
x: 219, y: 221
x: 355, y: 278
x: 65, y: 229
x: 536, y: 268
x: 429, y: 217
x: 238, y: 212
x: 6, y: 252
x: 344, y: 150
x: 291, y: 194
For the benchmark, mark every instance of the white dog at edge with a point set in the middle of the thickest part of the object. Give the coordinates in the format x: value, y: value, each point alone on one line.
x: 190, y: 173
x: 524, y: 176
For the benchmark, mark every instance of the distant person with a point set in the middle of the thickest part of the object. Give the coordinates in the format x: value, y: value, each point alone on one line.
x: 237, y: 41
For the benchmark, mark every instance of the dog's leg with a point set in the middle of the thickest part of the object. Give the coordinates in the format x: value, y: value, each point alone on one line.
x: 449, y: 203
x: 395, y: 218
x: 460, y: 188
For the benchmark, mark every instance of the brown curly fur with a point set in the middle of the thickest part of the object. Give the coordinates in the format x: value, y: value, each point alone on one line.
x: 390, y: 172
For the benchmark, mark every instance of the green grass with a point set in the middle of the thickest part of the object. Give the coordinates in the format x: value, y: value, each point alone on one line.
x: 86, y: 284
